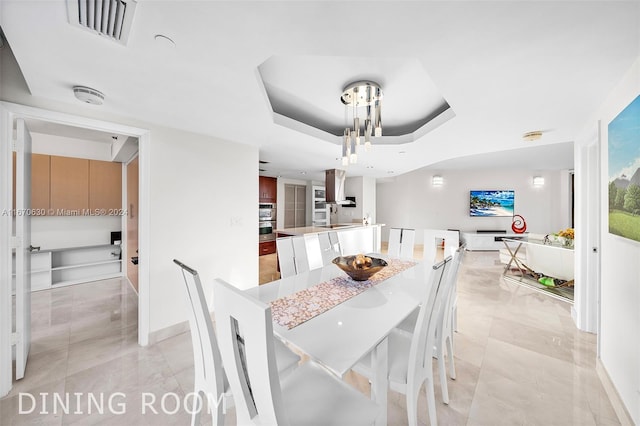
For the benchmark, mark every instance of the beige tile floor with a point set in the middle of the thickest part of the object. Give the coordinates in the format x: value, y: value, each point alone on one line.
x: 520, y: 360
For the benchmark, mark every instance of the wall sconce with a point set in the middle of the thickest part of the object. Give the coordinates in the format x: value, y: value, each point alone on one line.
x: 437, y: 180
x: 538, y: 181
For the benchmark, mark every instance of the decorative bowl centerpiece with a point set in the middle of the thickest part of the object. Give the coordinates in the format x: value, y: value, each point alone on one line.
x: 360, y: 267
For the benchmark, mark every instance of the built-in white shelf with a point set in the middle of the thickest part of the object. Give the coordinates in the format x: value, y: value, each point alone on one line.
x: 487, y: 240
x: 73, y: 265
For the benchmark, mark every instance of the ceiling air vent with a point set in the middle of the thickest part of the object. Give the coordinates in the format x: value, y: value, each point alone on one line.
x: 108, y: 18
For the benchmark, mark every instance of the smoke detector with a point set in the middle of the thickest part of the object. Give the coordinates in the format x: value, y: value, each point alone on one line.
x: 88, y: 95
x: 532, y: 136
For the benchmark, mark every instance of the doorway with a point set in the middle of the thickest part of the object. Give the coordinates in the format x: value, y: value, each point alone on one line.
x: 9, y: 113
x: 295, y: 205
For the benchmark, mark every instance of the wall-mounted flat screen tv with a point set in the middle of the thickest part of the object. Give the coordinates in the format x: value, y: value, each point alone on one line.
x: 491, y: 203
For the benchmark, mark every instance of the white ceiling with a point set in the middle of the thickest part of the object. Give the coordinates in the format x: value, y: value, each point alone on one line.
x: 504, y: 67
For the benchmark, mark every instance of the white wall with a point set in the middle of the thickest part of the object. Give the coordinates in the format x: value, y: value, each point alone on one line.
x: 411, y: 201
x: 364, y: 189
x: 50, y: 232
x: 204, y: 212
x: 619, y: 338
x: 70, y: 147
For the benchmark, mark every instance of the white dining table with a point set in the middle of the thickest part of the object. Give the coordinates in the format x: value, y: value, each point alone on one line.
x: 338, y: 338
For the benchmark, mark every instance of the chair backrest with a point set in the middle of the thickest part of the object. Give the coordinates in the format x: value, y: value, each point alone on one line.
x: 245, y: 334
x: 314, y: 251
x: 300, y: 254
x: 432, y: 236
x: 284, y: 247
x: 206, y: 354
x: 395, y: 236
x: 401, y: 242
x: 335, y: 242
x: 326, y: 248
x: 354, y: 241
x: 451, y: 277
x: 424, y: 332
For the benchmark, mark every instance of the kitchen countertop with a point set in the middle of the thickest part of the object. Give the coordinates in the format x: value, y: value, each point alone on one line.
x: 326, y: 228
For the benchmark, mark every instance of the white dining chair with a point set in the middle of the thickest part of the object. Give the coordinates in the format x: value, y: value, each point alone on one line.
x: 409, y: 355
x: 314, y: 251
x: 286, y: 259
x: 451, y: 241
x: 210, y: 380
x: 300, y: 257
x: 445, y: 325
x: 307, y: 396
x: 432, y: 237
x: 327, y: 249
x: 354, y: 241
x: 401, y: 243
x: 335, y: 242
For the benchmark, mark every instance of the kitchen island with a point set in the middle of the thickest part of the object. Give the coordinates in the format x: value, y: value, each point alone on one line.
x: 376, y: 229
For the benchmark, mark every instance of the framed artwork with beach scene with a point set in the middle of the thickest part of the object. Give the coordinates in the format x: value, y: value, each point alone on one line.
x: 624, y: 172
x: 495, y: 203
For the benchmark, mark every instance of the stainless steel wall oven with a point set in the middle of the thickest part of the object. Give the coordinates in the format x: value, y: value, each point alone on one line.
x: 267, y: 222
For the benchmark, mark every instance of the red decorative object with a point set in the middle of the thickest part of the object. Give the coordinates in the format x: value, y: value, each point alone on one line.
x: 518, y: 225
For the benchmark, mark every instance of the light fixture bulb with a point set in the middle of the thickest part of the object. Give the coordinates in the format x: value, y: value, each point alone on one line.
x: 367, y: 145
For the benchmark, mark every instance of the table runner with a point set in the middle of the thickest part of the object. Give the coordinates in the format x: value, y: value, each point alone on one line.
x: 294, y: 309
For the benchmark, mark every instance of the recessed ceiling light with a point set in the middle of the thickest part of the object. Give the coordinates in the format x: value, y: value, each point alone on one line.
x: 369, y: 167
x: 115, y: 138
x: 390, y: 172
x: 532, y: 136
x: 163, y: 40
x: 303, y: 173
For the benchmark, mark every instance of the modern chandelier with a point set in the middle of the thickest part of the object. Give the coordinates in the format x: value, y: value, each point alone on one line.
x: 365, y: 94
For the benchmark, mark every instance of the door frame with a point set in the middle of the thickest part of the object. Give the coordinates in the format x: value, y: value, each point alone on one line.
x: 9, y: 112
x: 126, y: 256
x: 586, y: 308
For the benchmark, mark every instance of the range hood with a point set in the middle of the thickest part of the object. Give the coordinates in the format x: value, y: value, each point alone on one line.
x: 334, y: 187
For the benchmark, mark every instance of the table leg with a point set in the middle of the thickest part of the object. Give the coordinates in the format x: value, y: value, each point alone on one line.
x: 380, y: 382
x: 514, y: 257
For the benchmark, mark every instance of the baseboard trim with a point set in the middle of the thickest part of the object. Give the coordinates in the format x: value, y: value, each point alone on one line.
x: 131, y: 285
x: 165, y: 333
x: 618, y: 406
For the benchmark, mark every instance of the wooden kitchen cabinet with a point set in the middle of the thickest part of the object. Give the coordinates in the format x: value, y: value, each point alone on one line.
x: 40, y: 185
x: 40, y: 181
x: 268, y: 188
x: 69, y: 183
x: 267, y: 247
x: 105, y: 185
